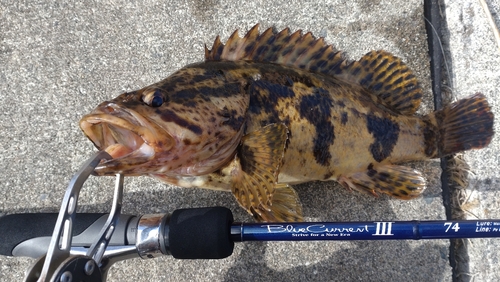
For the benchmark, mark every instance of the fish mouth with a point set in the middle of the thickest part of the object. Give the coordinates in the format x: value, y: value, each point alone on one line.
x: 127, y: 136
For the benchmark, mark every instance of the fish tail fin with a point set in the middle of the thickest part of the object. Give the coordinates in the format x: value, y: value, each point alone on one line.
x: 464, y: 125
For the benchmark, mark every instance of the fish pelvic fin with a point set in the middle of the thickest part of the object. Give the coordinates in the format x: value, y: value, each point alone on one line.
x: 463, y: 125
x: 286, y: 207
x: 254, y: 174
x: 397, y: 181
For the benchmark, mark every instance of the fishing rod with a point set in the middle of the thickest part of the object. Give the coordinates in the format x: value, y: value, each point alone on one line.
x: 82, y: 247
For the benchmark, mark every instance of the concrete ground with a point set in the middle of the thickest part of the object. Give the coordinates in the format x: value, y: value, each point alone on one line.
x: 59, y: 60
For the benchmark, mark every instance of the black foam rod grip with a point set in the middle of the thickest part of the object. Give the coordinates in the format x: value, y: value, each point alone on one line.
x: 201, y: 233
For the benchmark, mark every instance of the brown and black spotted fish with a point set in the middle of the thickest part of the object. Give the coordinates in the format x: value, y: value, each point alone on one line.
x: 274, y: 109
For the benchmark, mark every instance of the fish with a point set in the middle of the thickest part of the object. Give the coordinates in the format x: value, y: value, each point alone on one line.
x: 269, y: 110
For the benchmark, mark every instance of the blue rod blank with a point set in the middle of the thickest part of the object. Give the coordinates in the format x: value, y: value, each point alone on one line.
x: 373, y: 230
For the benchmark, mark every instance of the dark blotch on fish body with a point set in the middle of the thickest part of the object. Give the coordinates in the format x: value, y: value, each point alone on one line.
x: 234, y: 120
x: 343, y: 118
x: 385, y: 132
x: 264, y: 96
x: 430, y: 140
x: 316, y: 108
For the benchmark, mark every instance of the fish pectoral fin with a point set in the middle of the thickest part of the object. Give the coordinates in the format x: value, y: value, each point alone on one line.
x: 286, y: 206
x: 254, y: 170
x: 397, y: 181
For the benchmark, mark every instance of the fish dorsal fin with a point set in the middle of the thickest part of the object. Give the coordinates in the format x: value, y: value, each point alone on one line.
x: 389, y: 78
x: 378, y: 71
x: 284, y: 47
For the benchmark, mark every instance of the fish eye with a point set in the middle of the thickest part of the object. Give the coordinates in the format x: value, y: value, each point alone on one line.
x: 153, y: 98
x: 156, y: 101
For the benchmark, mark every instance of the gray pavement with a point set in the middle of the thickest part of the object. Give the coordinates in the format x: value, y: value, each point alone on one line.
x: 474, y: 62
x: 59, y: 60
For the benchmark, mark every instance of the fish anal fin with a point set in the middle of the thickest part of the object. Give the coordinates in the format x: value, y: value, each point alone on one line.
x: 397, y: 181
x: 254, y: 170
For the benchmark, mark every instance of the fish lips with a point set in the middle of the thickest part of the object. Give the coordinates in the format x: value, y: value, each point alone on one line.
x: 127, y: 136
